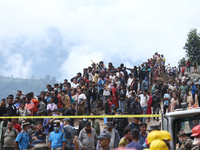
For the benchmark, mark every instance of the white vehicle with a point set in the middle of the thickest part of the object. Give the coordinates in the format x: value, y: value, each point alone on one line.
x: 183, y: 119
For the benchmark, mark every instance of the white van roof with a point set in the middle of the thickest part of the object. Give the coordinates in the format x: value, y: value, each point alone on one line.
x: 182, y: 113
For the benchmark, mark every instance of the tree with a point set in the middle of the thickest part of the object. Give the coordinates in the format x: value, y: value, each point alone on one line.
x: 182, y: 62
x: 192, y: 46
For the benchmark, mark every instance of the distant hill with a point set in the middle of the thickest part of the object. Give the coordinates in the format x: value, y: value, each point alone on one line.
x: 10, y: 85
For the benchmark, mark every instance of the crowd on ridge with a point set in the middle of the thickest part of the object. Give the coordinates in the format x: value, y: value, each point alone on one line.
x: 111, y: 89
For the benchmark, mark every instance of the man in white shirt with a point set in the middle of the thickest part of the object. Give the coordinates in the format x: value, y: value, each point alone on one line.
x: 130, y: 80
x: 74, y: 84
x: 81, y: 102
x: 112, y: 76
x: 119, y: 71
x: 144, y: 98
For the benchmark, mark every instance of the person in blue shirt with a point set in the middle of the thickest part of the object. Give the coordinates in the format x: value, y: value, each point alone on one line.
x: 167, y: 98
x: 71, y: 112
x: 17, y: 102
x: 135, y: 124
x: 57, y: 138
x: 145, y: 84
x: 135, y: 138
x: 37, y: 136
x: 193, y: 89
x: 143, y: 132
x: 70, y: 132
x: 22, y: 140
x: 48, y: 97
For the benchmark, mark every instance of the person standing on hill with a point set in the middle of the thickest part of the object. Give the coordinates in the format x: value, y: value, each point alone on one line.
x: 188, y: 63
x: 183, y: 90
x: 193, y: 89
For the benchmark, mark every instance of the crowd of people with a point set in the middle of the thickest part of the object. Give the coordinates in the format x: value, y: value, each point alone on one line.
x: 99, y: 89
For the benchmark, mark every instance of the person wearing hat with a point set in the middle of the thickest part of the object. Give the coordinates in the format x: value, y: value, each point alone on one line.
x: 196, y: 135
x: 57, y: 138
x: 186, y: 142
x: 3, y: 109
x: 114, y: 112
x: 158, y: 145
x: 192, y: 104
x: 114, y: 139
x: 70, y: 132
x: 87, y: 137
x: 95, y: 124
x: 104, y: 141
x: 153, y: 127
x: 71, y: 112
x: 22, y: 140
x: 183, y: 90
x: 120, y: 123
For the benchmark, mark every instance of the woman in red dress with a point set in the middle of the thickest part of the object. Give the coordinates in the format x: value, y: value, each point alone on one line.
x: 149, y: 105
x: 115, y: 97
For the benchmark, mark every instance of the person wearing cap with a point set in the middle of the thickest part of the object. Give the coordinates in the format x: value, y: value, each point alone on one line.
x: 57, y: 138
x: 71, y: 112
x: 114, y: 112
x: 70, y: 132
x: 95, y: 124
x: 183, y: 90
x: 135, y: 138
x: 166, y: 100
x: 120, y: 123
x: 22, y: 140
x: 3, y: 109
x: 115, y: 138
x: 87, y: 137
x: 37, y: 136
x: 104, y: 141
x: 186, y: 142
x: 196, y: 135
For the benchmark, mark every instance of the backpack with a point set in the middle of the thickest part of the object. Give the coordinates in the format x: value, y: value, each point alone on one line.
x: 2, y: 139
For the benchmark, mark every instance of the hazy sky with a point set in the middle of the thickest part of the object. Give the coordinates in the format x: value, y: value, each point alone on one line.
x: 62, y: 36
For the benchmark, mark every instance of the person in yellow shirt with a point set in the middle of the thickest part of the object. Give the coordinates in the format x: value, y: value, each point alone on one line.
x: 127, y: 136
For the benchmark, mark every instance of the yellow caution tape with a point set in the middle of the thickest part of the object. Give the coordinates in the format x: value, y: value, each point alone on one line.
x: 88, y: 116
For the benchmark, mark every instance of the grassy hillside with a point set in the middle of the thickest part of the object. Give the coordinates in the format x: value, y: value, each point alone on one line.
x: 11, y: 85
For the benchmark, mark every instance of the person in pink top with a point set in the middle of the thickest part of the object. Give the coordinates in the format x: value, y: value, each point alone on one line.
x: 52, y: 106
x: 29, y: 105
